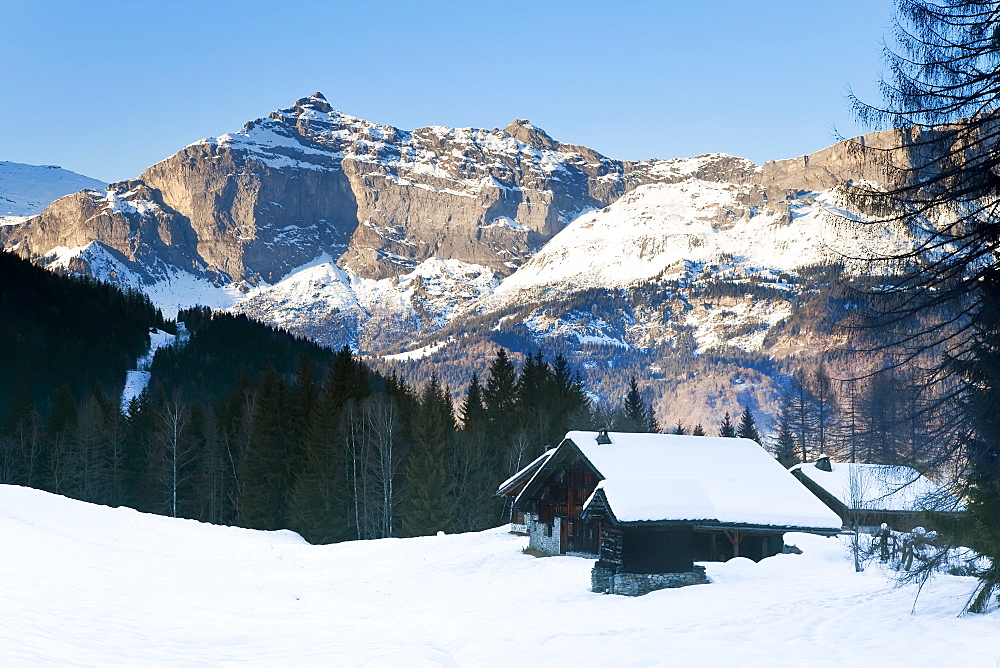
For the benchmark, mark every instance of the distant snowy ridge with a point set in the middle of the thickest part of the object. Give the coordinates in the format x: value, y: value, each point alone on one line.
x: 25, y: 190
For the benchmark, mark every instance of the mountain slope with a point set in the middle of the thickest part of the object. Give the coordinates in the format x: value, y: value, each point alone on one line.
x: 56, y: 329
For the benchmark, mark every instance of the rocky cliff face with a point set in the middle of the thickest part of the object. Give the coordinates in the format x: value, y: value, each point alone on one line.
x: 309, y: 180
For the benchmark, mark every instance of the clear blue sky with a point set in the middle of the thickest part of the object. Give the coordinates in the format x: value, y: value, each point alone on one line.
x: 107, y: 88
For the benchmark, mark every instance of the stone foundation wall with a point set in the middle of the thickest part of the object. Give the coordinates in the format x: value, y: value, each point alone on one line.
x: 604, y: 579
x: 541, y: 537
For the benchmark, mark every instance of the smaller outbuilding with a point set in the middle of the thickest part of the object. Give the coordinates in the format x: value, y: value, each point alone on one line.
x: 867, y: 495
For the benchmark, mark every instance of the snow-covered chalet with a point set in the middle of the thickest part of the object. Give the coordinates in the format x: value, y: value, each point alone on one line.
x: 649, y: 505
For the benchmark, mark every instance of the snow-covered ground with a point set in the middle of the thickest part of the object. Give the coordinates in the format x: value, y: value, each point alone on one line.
x: 89, y: 585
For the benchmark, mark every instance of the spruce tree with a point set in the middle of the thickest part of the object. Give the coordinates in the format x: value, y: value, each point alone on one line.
x: 500, y: 404
x: 784, y: 449
x: 636, y: 414
x: 473, y: 412
x: 61, y: 455
x: 633, y: 408
x: 680, y: 429
x: 698, y: 430
x: 429, y: 484
x: 17, y: 414
x: 323, y: 496
x: 473, y: 466
x: 320, y: 498
x: 265, y: 473
x: 500, y: 393
x: 138, y: 489
x: 748, y: 426
x: 726, y: 429
x: 304, y: 400
x: 534, y: 414
x: 567, y: 400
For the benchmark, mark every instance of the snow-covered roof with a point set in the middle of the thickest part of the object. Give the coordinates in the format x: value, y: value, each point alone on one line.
x: 640, y: 499
x: 666, y: 477
x: 879, y: 487
x: 525, y: 472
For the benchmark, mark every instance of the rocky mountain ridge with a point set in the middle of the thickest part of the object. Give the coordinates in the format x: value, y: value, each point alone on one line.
x: 392, y: 241
x: 306, y: 180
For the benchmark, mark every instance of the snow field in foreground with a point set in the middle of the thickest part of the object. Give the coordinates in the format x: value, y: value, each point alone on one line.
x: 90, y: 585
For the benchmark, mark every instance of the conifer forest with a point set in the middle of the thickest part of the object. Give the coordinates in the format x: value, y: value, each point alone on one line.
x: 250, y: 426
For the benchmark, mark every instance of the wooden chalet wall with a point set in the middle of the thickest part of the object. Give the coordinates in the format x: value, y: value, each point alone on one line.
x: 563, y: 495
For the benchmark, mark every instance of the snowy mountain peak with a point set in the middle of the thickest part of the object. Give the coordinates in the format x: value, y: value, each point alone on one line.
x: 316, y: 101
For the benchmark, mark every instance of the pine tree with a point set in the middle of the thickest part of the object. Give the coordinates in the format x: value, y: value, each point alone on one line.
x: 320, y: 502
x: 680, y: 429
x: 636, y: 414
x: 265, y: 472
x: 698, y: 430
x: 726, y: 429
x: 473, y: 412
x: 784, y: 449
x: 428, y: 481
x: 748, y: 426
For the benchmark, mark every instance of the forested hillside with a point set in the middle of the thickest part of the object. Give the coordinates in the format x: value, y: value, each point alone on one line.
x: 57, y: 329
x: 245, y: 424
